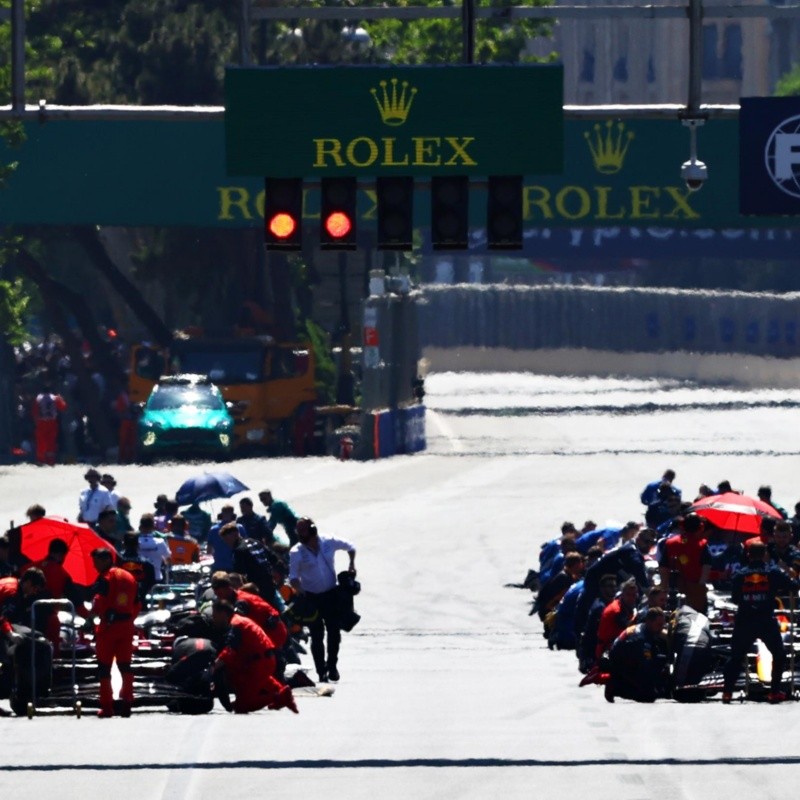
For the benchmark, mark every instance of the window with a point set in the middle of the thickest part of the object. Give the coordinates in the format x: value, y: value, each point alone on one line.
x: 710, y: 58
x: 587, y: 67
x: 732, y: 52
x: 621, y: 69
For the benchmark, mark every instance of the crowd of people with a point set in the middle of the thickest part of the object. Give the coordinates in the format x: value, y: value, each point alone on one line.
x: 609, y: 593
x: 51, y: 423
x: 260, y: 566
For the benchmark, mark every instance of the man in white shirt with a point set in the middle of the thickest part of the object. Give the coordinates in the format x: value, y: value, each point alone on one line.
x: 109, y: 483
x: 94, y: 499
x: 312, y: 573
x: 153, y: 548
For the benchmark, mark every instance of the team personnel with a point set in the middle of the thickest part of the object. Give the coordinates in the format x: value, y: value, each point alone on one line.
x: 248, y: 661
x: 252, y: 559
x: 153, y: 547
x: 59, y: 586
x: 182, y: 547
x: 116, y: 603
x: 628, y: 559
x: 280, y: 513
x: 616, y: 617
x: 94, y: 499
x: 140, y: 568
x: 217, y: 546
x: 781, y: 552
x: 106, y: 527
x: 638, y: 661
x: 754, y: 590
x: 17, y: 598
x: 255, y: 525
x: 312, y: 574
x: 252, y: 606
x: 46, y: 409
x: 681, y: 562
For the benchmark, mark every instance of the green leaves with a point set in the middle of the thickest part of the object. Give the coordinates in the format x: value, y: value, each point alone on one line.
x: 175, y: 51
x: 13, y: 305
x: 789, y: 84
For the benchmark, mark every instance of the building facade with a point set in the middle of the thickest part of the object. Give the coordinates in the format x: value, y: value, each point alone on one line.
x: 646, y: 61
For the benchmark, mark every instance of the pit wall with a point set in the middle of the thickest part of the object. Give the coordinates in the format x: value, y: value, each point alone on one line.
x: 748, y: 339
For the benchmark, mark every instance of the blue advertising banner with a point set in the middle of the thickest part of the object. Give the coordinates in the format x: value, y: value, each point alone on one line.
x: 769, y: 156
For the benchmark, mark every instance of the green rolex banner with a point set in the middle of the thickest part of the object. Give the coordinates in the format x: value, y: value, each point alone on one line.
x: 304, y: 122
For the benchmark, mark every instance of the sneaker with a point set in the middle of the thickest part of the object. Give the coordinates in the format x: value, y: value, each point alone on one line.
x: 776, y: 697
x: 333, y: 674
x: 590, y: 677
x: 726, y: 698
x: 124, y: 709
x: 105, y: 713
x: 322, y: 677
x: 288, y: 701
x: 608, y: 692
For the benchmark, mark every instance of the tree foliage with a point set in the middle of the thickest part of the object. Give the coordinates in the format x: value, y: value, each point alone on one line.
x: 175, y: 51
x: 789, y: 84
x: 14, y: 300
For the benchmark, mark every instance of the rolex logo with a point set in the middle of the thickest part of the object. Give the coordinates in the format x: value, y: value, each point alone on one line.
x: 610, y: 148
x: 394, y: 102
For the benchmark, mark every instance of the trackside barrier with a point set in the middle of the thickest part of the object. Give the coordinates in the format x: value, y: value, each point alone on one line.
x: 390, y: 432
x: 610, y: 319
x: 391, y: 422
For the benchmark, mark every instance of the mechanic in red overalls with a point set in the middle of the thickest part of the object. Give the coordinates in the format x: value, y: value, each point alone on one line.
x: 46, y: 408
x: 248, y: 661
x: 681, y: 562
x: 59, y: 585
x: 116, y: 602
x: 8, y: 590
x: 252, y: 606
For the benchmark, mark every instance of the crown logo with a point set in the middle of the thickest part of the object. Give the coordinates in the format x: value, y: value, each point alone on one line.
x: 394, y: 102
x: 610, y: 148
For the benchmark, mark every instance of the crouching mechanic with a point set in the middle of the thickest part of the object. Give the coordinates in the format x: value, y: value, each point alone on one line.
x: 116, y: 603
x: 247, y: 663
x: 252, y: 606
x: 638, y: 661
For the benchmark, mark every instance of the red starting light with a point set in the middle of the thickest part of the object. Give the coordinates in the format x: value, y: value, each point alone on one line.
x: 282, y: 225
x: 338, y: 225
x: 283, y: 213
x: 337, y: 230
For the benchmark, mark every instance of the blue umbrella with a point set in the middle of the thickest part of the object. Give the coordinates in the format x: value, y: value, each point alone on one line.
x: 209, y: 486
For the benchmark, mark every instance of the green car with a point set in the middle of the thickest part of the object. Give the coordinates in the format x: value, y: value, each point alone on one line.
x: 185, y: 414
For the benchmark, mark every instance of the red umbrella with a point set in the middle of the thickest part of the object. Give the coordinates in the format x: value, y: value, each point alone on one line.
x: 735, y: 512
x: 35, y: 537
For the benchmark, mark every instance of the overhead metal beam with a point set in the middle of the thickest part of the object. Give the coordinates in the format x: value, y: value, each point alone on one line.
x: 44, y: 113
x: 724, y: 11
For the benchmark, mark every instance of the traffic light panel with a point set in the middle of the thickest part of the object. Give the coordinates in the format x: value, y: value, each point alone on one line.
x: 449, y: 212
x: 504, y: 213
x: 283, y: 213
x: 395, y: 213
x: 338, y: 214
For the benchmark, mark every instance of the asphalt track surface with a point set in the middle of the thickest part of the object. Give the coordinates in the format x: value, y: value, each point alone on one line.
x: 447, y: 690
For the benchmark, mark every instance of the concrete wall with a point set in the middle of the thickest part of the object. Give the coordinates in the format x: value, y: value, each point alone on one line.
x: 752, y: 339
x: 736, y: 370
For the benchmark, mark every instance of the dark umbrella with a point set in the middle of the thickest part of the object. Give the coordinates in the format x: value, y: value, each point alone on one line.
x: 35, y: 538
x: 735, y: 512
x: 209, y: 486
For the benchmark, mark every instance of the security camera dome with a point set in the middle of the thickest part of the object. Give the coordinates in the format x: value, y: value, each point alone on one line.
x: 694, y: 174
